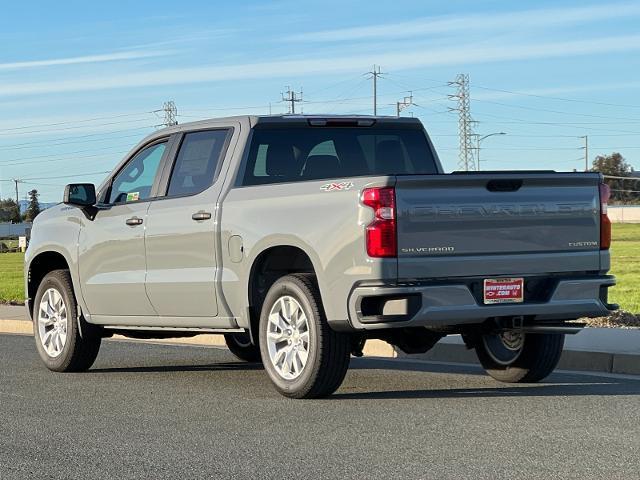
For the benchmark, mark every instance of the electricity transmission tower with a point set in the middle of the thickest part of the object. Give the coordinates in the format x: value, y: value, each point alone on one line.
x: 465, y: 122
x: 375, y: 73
x: 292, y: 98
x: 405, y: 103
x: 170, y: 113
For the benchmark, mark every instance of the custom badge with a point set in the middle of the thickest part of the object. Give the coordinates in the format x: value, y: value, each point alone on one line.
x: 133, y: 196
x: 336, y: 186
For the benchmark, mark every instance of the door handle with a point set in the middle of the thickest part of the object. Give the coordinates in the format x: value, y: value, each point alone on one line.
x: 201, y: 215
x: 133, y: 221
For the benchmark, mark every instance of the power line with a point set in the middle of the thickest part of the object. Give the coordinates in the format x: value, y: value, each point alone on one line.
x: 23, y: 180
x: 580, y: 125
x: 72, y: 128
x: 65, y: 158
x: 53, y: 155
x: 71, y: 122
x: 557, y: 111
x: 56, y: 142
x: 550, y: 97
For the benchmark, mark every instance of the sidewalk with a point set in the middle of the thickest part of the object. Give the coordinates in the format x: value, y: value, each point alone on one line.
x: 11, y: 312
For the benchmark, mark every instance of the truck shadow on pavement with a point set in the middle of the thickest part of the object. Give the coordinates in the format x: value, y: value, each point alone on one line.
x: 560, y: 384
x: 214, y: 367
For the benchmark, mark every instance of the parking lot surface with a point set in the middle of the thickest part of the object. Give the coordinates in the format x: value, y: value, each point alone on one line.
x: 164, y: 411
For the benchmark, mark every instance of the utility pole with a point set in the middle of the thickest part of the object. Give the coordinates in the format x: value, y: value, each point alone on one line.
x: 479, y: 140
x: 586, y: 152
x: 17, y: 181
x: 170, y: 113
x: 465, y: 122
x: 375, y: 73
x: 406, y: 102
x: 292, y: 98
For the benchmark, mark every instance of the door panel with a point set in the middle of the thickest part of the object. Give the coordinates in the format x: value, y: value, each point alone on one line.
x: 181, y: 257
x: 112, y: 262
x: 181, y: 235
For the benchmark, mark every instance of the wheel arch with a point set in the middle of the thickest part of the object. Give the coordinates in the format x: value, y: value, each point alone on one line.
x: 38, y: 267
x: 270, y: 264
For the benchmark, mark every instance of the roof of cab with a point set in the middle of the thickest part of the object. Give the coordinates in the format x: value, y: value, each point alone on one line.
x: 277, y: 120
x: 285, y: 119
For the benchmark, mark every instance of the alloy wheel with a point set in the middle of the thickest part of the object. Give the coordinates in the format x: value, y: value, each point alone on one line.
x: 288, y: 337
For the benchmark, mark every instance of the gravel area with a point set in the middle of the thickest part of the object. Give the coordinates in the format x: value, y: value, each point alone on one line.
x: 618, y: 319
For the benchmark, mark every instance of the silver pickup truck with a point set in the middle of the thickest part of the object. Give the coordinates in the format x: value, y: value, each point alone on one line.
x: 301, y: 237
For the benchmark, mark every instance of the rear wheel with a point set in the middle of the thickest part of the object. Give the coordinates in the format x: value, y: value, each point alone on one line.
x: 302, y: 355
x: 240, y: 345
x: 517, y: 357
x: 65, y: 342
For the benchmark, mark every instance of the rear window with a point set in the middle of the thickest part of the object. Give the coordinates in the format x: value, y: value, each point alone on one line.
x: 308, y: 153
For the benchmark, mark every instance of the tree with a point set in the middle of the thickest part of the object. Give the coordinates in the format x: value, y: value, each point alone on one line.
x: 34, y: 206
x: 615, y: 165
x: 9, y: 211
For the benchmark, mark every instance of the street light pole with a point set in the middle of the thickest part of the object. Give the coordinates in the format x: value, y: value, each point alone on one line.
x: 480, y: 139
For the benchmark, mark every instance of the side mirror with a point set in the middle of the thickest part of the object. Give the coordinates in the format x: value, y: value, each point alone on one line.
x: 80, y: 194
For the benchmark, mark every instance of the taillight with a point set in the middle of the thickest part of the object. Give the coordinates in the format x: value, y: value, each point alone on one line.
x: 381, y: 233
x: 605, y: 223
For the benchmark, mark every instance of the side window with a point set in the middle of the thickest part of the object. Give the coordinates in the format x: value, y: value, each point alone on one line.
x: 197, y: 161
x: 135, y: 180
x: 260, y: 169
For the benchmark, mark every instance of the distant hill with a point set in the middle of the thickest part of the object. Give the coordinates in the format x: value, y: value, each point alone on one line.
x: 25, y: 203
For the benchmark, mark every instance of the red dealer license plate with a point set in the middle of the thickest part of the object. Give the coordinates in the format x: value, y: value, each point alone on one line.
x: 503, y: 290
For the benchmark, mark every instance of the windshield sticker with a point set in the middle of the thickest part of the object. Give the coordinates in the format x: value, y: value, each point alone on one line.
x: 336, y: 187
x: 133, y: 196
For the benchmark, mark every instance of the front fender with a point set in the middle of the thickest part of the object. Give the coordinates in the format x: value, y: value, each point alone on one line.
x: 56, y: 230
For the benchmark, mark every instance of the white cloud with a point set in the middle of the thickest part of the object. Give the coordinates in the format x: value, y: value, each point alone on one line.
x: 547, y: 17
x: 393, y: 61
x: 107, y: 57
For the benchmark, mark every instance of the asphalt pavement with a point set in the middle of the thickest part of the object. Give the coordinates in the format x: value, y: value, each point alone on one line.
x: 163, y: 411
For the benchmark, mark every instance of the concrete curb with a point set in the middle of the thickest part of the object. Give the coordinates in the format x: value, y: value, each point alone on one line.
x: 570, y: 360
x: 373, y: 348
x: 609, y: 350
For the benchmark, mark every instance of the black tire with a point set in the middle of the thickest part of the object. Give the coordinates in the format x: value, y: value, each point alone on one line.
x: 328, y: 351
x: 539, y: 357
x: 240, y: 345
x: 81, y: 347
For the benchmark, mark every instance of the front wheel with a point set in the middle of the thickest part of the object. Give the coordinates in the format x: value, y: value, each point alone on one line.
x: 302, y: 355
x: 65, y: 342
x: 517, y: 357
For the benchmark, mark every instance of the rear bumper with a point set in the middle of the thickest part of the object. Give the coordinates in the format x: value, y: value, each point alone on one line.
x: 451, y: 304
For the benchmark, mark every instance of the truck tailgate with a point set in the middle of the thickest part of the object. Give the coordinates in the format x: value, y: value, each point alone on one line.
x: 497, y: 223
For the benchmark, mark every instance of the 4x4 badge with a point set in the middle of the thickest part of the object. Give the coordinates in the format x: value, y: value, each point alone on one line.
x: 334, y: 187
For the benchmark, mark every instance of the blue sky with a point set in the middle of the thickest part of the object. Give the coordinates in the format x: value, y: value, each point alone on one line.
x: 79, y: 81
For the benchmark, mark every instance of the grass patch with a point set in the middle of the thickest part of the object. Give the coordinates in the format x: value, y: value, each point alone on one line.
x: 625, y: 265
x: 11, y: 278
